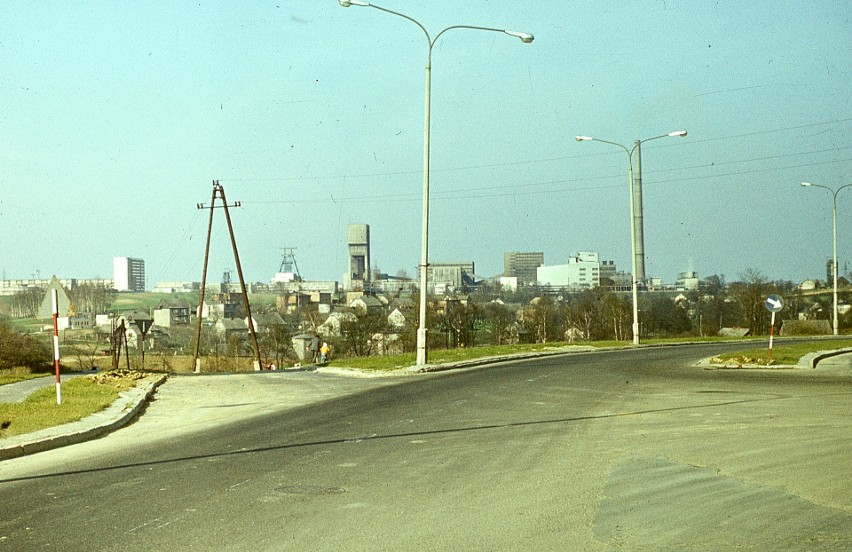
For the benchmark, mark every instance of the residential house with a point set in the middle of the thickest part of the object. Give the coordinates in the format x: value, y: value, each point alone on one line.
x: 402, y: 312
x: 367, y: 304
x: 332, y: 324
x: 265, y: 322
x: 173, y: 312
x: 230, y: 326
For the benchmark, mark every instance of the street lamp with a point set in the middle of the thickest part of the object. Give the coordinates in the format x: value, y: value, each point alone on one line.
x: 526, y: 38
x: 635, y: 289
x: 834, y: 262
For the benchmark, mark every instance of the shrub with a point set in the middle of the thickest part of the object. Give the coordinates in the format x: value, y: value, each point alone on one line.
x: 22, y: 350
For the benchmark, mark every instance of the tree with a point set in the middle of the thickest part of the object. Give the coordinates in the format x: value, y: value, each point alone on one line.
x: 585, y: 312
x: 750, y: 294
x: 87, y: 351
x: 541, y: 320
x: 500, y: 319
x: 458, y: 322
x: 95, y: 298
x: 358, y: 334
x: 665, y: 318
x: 618, y: 312
x: 25, y: 303
x: 275, y: 343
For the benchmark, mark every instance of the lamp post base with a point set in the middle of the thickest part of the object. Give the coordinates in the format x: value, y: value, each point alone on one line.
x: 421, y: 346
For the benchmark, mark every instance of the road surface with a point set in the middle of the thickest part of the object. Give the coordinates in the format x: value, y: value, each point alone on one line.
x: 626, y: 450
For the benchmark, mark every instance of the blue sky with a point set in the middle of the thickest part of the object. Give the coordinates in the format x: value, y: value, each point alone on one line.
x: 116, y: 118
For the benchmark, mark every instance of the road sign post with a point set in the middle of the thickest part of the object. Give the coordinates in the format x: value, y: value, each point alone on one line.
x: 55, y: 307
x: 774, y: 303
x: 143, y: 322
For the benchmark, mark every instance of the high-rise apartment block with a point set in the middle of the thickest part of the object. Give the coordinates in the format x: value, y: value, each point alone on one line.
x: 522, y: 265
x: 128, y: 274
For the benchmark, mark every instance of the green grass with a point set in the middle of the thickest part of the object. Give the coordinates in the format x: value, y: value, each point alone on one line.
x: 80, y: 397
x: 440, y: 356
x: 781, y: 354
x: 18, y: 374
x: 784, y: 353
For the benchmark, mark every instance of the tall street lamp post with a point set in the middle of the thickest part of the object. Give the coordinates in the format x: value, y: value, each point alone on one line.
x: 424, y: 258
x: 635, y: 287
x: 834, y: 261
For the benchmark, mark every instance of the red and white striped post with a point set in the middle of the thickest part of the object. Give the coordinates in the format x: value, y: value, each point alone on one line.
x: 771, y: 334
x: 774, y: 303
x: 55, y: 298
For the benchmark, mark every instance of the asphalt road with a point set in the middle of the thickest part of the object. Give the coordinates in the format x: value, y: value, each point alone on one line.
x: 626, y: 450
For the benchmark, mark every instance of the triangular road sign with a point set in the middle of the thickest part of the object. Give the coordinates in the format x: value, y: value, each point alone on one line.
x: 63, y: 301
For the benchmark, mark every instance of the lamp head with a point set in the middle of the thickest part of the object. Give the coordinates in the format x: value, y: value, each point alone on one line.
x: 347, y: 3
x: 806, y: 184
x: 583, y: 138
x: 677, y: 133
x: 526, y: 38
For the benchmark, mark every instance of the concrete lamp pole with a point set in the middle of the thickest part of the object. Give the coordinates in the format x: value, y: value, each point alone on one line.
x: 834, y: 262
x: 526, y: 38
x: 635, y: 284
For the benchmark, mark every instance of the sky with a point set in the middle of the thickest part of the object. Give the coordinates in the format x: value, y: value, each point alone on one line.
x: 116, y: 118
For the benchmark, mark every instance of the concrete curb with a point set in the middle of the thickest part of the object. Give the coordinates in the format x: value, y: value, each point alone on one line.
x: 121, y: 412
x: 812, y: 359
x: 809, y: 361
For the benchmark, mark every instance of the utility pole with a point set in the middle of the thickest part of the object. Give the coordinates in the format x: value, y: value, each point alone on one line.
x: 639, y: 216
x: 219, y: 191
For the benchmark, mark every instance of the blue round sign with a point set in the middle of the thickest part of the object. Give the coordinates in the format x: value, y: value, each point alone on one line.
x: 774, y: 303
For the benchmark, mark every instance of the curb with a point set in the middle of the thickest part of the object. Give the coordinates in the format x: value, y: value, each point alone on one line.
x: 812, y: 359
x: 809, y: 361
x: 121, y: 412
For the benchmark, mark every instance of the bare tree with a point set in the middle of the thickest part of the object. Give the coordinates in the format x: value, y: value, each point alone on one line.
x: 358, y: 333
x: 750, y: 294
x: 25, y: 303
x: 500, y: 319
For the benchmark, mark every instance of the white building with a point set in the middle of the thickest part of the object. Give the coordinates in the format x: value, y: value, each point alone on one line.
x: 581, y: 272
x: 509, y: 283
x: 687, y: 281
x: 128, y: 274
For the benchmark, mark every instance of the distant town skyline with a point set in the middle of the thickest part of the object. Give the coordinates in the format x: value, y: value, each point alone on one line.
x: 216, y: 277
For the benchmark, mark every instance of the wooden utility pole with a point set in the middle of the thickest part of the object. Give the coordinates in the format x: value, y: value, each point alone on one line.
x: 219, y: 191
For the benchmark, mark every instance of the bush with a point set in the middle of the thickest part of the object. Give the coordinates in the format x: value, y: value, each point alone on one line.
x: 21, y: 350
x: 805, y: 327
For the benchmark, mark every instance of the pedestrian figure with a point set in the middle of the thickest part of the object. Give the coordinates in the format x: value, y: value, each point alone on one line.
x: 325, y: 351
x: 314, y: 347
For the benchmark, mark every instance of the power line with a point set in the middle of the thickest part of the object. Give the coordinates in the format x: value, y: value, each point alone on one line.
x: 527, y: 189
x: 541, y: 160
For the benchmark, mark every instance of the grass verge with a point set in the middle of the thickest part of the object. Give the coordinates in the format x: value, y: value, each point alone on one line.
x: 80, y: 397
x: 441, y: 356
x: 18, y: 374
x: 783, y: 354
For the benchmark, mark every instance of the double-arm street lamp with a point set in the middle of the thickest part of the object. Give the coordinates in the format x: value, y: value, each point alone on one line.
x: 424, y: 259
x: 630, y: 151
x: 834, y: 262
